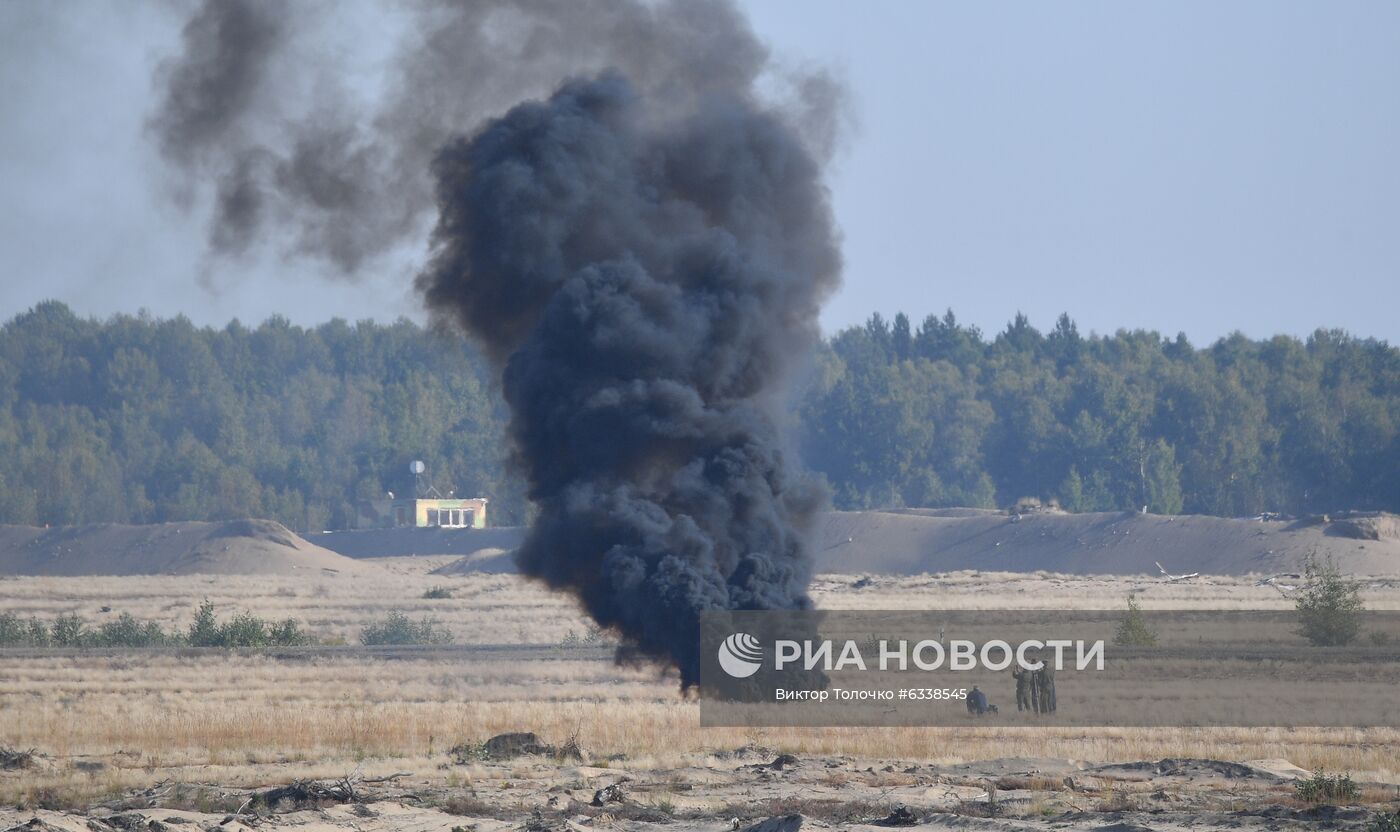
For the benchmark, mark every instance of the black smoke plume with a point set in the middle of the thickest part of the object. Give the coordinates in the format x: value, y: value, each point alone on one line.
x: 641, y: 249
x: 647, y: 281
x: 264, y: 112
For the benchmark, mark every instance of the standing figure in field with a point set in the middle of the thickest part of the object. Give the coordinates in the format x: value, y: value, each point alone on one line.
x: 1045, y: 689
x: 1025, y: 685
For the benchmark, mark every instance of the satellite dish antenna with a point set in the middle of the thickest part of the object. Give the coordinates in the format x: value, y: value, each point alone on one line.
x: 422, y: 488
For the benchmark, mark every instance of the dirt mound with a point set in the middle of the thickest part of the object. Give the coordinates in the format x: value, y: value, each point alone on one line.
x: 1379, y: 526
x: 781, y: 823
x: 269, y: 531
x: 494, y: 561
x: 380, y: 543
x: 916, y: 541
x: 235, y: 547
x: 1188, y: 768
x: 903, y: 542
x: 1110, y: 543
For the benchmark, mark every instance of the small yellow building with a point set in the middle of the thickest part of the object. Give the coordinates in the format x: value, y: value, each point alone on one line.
x: 422, y: 513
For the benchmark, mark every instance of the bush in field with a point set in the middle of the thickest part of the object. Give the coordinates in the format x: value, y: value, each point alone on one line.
x: 1133, y: 630
x: 17, y: 633
x: 1325, y: 788
x: 126, y: 631
x: 247, y: 630
x: 38, y: 633
x: 243, y: 630
x: 12, y: 631
x: 396, y: 628
x: 594, y: 635
x: 71, y: 631
x: 437, y: 593
x: 68, y: 631
x: 289, y: 634
x: 1329, y: 606
x: 1385, y: 822
x: 204, y: 631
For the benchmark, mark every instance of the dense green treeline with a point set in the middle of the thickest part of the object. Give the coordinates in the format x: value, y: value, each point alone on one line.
x: 938, y: 415
x: 138, y: 420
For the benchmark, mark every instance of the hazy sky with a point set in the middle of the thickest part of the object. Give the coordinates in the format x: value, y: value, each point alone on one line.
x: 1195, y: 166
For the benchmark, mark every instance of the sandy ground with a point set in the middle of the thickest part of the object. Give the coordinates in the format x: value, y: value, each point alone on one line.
x: 156, y: 741
x: 236, y: 547
x: 744, y: 787
x: 908, y: 542
x: 1111, y: 543
x: 1104, y: 543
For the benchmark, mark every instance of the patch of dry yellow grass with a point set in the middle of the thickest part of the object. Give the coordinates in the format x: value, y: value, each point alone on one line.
x: 250, y: 718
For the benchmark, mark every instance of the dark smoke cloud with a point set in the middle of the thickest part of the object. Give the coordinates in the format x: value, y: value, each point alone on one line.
x: 208, y: 91
x: 642, y: 249
x: 647, y: 282
x: 257, y: 105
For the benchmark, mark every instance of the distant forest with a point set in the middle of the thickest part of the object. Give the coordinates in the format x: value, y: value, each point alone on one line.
x: 136, y: 420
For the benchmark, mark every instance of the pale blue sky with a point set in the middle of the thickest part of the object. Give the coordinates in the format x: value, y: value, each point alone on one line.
x: 1196, y: 166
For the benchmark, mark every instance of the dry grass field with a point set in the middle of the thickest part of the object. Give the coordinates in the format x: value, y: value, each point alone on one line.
x: 506, y: 609
x: 524, y: 660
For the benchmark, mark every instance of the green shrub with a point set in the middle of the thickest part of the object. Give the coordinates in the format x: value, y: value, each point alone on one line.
x: 243, y: 630
x: 288, y: 634
x: 1324, y: 788
x: 1133, y: 630
x: 38, y: 633
x: 1385, y: 822
x: 594, y: 635
x: 13, y: 632
x: 17, y: 633
x: 1329, y: 606
x: 31, y: 633
x: 396, y: 628
x: 126, y: 631
x: 437, y: 593
x: 68, y: 631
x: 204, y: 631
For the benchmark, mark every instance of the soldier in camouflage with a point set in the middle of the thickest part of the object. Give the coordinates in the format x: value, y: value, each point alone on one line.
x: 1045, y: 689
x: 1025, y: 685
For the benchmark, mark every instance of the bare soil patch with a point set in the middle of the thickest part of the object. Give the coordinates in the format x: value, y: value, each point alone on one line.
x: 1111, y: 543
x: 235, y: 547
